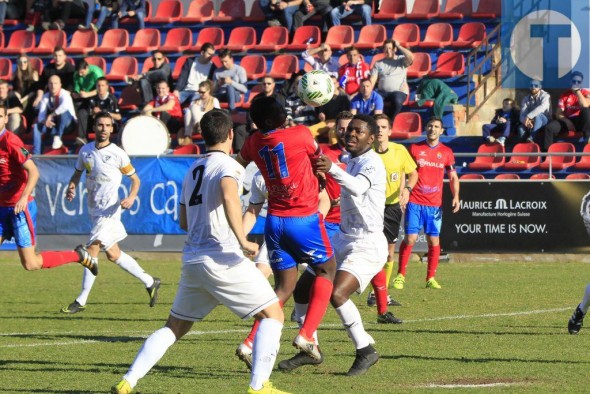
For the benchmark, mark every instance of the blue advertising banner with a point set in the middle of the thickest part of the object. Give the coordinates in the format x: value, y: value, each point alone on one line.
x: 155, y: 210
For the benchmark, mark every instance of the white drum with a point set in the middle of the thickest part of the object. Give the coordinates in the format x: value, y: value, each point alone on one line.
x: 145, y: 135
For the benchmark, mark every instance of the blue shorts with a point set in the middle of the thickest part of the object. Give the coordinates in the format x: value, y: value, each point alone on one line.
x: 21, y: 226
x: 420, y: 217
x: 332, y: 229
x: 292, y: 240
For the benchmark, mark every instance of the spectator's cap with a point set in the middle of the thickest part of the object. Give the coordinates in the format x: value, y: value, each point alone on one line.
x: 536, y: 83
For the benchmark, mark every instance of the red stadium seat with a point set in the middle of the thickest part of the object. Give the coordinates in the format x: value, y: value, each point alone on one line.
x: 256, y: 14
x: 113, y: 41
x: 178, y: 66
x: 199, y: 11
x: 578, y: 176
x: 122, y: 67
x: 485, y: 163
x: 146, y: 40
x: 302, y: 36
x: 191, y: 149
x: 230, y: 10
x: 376, y: 58
x: 407, y: 34
x: 542, y: 176
x: 506, y: 177
x: 20, y: 42
x: 61, y: 151
x: 559, y: 162
x: 168, y: 11
x: 406, y: 125
x: 37, y: 64
x: 274, y: 38
x: 421, y: 66
x: 470, y: 35
x: 371, y: 37
x: 241, y: 39
x: 424, y: 9
x: 584, y: 163
x: 2, y: 40
x: 149, y: 63
x: 449, y: 64
x: 472, y: 177
x: 49, y: 40
x: 97, y: 61
x: 178, y: 39
x: 255, y: 66
x: 5, y: 68
x: 340, y: 37
x: 213, y: 35
x: 83, y: 42
x: 130, y: 99
x: 438, y: 35
x: 491, y: 9
x: 391, y: 9
x: 521, y: 163
x: 457, y: 9
x: 284, y: 66
x: 256, y: 90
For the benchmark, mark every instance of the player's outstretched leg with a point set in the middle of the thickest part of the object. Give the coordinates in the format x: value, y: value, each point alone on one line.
x: 575, y: 323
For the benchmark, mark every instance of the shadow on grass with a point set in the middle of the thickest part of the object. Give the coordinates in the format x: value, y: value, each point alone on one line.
x: 481, y: 360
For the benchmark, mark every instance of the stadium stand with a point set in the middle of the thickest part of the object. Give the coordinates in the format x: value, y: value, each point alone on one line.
x: 213, y: 35
x: 438, y: 35
x: 168, y: 11
x: 457, y: 9
x: 340, y: 37
x: 178, y: 40
x: 408, y: 34
x: 284, y: 66
x: 241, y: 39
x: 146, y: 40
x: 472, y: 177
x: 556, y: 162
x: 486, y: 163
x: 199, y: 11
x: 391, y: 10
x: 83, y: 42
x: 521, y: 163
x: 48, y: 41
x: 507, y: 177
x: 20, y: 42
x: 113, y: 41
x: 255, y: 66
x: 371, y: 37
x: 424, y: 9
x: 274, y: 38
x: 302, y: 37
x: 406, y: 125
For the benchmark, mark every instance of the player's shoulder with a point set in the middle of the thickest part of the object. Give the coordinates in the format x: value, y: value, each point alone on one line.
x: 13, y: 140
x: 395, y: 147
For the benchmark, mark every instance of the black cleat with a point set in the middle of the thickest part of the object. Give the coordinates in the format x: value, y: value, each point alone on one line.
x: 574, y: 325
x: 388, y: 318
x: 392, y: 302
x: 371, y: 300
x: 153, y: 292
x: 86, y: 260
x: 363, y: 362
x: 74, y: 307
x: 299, y: 360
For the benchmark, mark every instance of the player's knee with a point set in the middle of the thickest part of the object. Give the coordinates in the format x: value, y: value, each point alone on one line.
x: 31, y: 265
x: 339, y: 297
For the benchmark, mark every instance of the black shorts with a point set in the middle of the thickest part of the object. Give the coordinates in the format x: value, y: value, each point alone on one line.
x: 391, y: 223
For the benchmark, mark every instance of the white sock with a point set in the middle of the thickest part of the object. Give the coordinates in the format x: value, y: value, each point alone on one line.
x: 586, y: 301
x: 129, y: 264
x: 300, y: 312
x: 150, y: 353
x: 87, y: 282
x: 351, y: 319
x: 264, y: 351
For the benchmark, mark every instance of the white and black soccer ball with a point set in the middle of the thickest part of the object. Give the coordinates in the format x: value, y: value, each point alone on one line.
x: 316, y: 88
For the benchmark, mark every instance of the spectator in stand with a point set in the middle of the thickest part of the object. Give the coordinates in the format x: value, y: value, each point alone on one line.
x: 106, y: 8
x: 279, y: 12
x: 310, y: 8
x: 193, y: 72
x: 367, y: 101
x: 572, y: 112
x: 159, y: 72
x: 13, y: 107
x: 195, y: 112
x: 439, y: 92
x: 38, y: 11
x: 11, y: 9
x: 328, y: 113
x: 390, y: 76
x: 85, y: 79
x: 298, y: 112
x: 64, y: 9
x: 24, y: 81
x: 130, y: 9
x: 165, y: 107
x: 230, y: 80
x: 56, y: 115
x: 535, y: 111
x: 364, y: 8
x: 103, y: 102
x: 323, y: 61
x: 60, y: 67
x: 504, y: 121
x: 352, y: 73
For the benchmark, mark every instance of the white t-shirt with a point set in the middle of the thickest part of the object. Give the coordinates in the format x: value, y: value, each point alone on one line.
x: 259, y: 193
x: 104, y: 168
x: 209, y: 232
x: 199, y: 73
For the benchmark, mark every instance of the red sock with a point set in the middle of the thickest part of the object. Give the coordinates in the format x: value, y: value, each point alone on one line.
x: 55, y: 259
x: 254, y: 329
x: 405, y: 251
x: 319, y: 298
x: 380, y: 287
x: 433, y: 257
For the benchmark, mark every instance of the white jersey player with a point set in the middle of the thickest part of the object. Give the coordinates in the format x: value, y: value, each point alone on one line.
x: 257, y: 206
x: 105, y: 164
x: 214, y: 267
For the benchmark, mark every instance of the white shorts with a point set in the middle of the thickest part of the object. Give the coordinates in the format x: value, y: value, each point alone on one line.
x: 241, y: 287
x: 262, y: 257
x: 362, y: 256
x: 107, y: 230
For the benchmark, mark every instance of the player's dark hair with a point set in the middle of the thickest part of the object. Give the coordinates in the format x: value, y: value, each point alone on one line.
x: 215, y: 126
x: 81, y: 65
x: 267, y: 113
x: 388, y: 41
x: 102, y: 79
x: 577, y: 74
x: 370, y: 121
x: 206, y: 46
x: 225, y: 53
x: 435, y: 119
x: 344, y: 115
x: 103, y: 114
x: 382, y: 116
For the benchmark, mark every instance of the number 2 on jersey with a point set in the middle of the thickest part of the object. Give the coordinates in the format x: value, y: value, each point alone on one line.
x: 272, y: 155
x: 196, y: 196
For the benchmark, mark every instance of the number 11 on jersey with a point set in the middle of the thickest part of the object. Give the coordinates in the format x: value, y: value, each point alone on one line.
x: 272, y: 155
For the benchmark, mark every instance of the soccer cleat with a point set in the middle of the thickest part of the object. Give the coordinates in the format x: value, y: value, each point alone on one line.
x: 399, y: 281
x: 123, y: 387
x: 362, y: 362
x: 267, y: 388
x: 392, y: 302
x: 388, y: 318
x: 74, y: 307
x: 294, y: 316
x: 371, y: 300
x: 299, y: 360
x: 307, y: 346
x: 86, y: 260
x: 153, y: 291
x: 244, y: 353
x: 432, y: 284
x: 574, y: 325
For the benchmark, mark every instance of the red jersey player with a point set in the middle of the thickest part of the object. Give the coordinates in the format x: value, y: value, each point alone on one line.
x: 424, y: 208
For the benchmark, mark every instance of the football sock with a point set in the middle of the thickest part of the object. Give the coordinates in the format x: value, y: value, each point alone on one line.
x: 129, y: 264
x: 253, y: 332
x: 300, y: 311
x: 586, y: 301
x: 388, y: 267
x: 405, y: 251
x: 433, y: 257
x: 55, y: 259
x: 380, y: 288
x: 351, y: 320
x: 265, y: 350
x: 149, y: 354
x: 319, y: 298
x: 88, y: 279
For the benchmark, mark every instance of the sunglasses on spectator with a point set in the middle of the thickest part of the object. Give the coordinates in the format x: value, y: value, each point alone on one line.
x: 267, y: 83
x: 576, y: 81
x: 535, y: 85
x: 202, y: 91
x: 158, y: 59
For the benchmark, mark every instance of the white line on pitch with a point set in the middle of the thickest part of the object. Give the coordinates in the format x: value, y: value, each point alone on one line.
x: 467, y: 386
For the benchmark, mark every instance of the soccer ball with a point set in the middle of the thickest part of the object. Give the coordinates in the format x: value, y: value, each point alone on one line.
x: 315, y: 88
